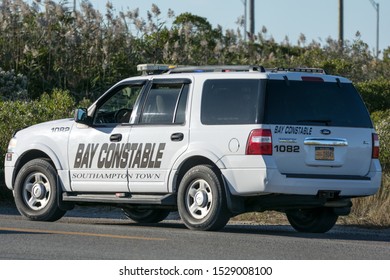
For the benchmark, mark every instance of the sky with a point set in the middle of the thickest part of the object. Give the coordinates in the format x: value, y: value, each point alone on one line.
x: 316, y: 19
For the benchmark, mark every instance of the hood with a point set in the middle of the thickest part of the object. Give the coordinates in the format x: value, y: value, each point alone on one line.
x: 63, y: 125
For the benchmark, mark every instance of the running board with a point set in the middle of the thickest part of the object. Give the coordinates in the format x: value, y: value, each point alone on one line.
x: 112, y: 198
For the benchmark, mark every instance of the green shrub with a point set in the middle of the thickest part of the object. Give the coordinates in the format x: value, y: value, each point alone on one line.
x: 381, y: 120
x: 15, y: 115
x: 376, y: 94
x: 12, y: 86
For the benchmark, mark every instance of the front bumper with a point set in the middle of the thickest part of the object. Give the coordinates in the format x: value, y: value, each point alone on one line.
x: 9, y: 166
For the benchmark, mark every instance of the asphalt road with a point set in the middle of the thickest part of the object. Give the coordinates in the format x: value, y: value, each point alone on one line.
x: 105, y: 234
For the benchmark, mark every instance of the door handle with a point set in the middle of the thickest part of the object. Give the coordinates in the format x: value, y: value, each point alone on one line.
x: 176, y: 137
x: 116, y: 138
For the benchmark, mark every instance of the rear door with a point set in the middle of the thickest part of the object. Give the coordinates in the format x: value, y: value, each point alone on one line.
x: 159, y: 135
x: 320, y: 129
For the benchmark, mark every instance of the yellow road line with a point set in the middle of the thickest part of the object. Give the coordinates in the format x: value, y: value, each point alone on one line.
x: 30, y: 230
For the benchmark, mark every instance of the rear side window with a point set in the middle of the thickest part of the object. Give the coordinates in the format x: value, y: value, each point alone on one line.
x: 165, y: 104
x: 315, y: 103
x: 233, y: 101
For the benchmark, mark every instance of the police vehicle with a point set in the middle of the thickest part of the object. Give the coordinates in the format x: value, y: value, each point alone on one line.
x: 208, y: 142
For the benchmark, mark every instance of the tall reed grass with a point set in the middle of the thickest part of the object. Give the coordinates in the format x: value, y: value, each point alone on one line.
x: 373, y: 210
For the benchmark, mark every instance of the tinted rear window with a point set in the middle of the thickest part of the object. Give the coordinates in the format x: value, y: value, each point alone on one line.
x: 314, y: 103
x: 232, y: 101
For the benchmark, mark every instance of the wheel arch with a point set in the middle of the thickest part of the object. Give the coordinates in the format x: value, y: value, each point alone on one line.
x: 234, y: 203
x: 187, y: 164
x: 52, y: 159
x: 46, y: 206
x: 195, y: 155
x: 35, y: 153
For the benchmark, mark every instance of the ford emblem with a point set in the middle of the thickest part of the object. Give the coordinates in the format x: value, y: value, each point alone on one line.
x: 325, y: 131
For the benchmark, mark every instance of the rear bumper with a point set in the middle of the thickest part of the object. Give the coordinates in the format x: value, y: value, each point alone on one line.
x: 285, y: 202
x: 248, y: 182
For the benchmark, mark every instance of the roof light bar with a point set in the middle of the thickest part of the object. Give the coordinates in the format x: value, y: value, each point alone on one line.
x: 148, y: 69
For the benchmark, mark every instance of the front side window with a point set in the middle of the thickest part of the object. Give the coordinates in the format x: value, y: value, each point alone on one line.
x: 119, y: 106
x: 165, y: 104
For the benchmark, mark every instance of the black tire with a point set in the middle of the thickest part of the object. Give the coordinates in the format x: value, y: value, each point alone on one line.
x: 201, y: 199
x: 146, y: 215
x: 317, y: 220
x: 37, y: 193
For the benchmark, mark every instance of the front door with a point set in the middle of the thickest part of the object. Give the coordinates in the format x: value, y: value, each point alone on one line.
x: 99, y: 152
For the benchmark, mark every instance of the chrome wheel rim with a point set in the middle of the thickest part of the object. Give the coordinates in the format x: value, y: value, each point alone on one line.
x: 36, y: 191
x: 199, y: 199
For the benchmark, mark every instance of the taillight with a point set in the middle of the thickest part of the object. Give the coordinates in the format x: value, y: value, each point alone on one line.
x: 259, y: 142
x: 375, y: 145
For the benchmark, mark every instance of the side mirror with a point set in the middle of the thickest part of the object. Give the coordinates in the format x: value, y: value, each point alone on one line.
x: 81, y: 115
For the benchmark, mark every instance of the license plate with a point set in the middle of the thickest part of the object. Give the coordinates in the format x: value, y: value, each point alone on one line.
x: 324, y: 153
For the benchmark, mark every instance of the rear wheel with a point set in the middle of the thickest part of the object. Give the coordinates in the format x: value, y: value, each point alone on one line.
x: 318, y: 220
x: 146, y: 215
x: 201, y: 199
x: 36, y: 191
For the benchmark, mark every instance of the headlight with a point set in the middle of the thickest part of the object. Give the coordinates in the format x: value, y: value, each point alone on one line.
x: 12, y: 145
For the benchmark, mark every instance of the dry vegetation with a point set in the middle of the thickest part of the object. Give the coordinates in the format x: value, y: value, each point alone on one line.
x: 373, y: 210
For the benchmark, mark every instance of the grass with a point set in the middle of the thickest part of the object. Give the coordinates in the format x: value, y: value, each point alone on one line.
x: 373, y: 211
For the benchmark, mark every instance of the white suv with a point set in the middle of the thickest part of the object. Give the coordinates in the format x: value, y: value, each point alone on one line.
x: 210, y: 142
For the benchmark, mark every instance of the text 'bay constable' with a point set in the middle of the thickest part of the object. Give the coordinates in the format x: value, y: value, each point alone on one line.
x: 303, y: 130
x: 119, y: 155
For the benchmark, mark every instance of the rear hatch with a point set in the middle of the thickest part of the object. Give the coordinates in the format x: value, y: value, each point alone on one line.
x: 320, y: 127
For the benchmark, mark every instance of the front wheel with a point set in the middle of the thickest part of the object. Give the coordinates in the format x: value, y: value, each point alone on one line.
x: 318, y: 220
x: 36, y: 191
x: 146, y: 215
x: 201, y: 199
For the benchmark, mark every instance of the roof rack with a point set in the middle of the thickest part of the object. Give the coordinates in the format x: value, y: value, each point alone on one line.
x: 298, y: 69
x: 149, y: 69
x: 217, y: 68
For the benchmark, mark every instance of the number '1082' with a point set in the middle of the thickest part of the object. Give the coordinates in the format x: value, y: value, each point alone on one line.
x: 286, y: 148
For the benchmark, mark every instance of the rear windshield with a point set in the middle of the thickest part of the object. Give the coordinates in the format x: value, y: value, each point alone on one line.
x: 314, y: 103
